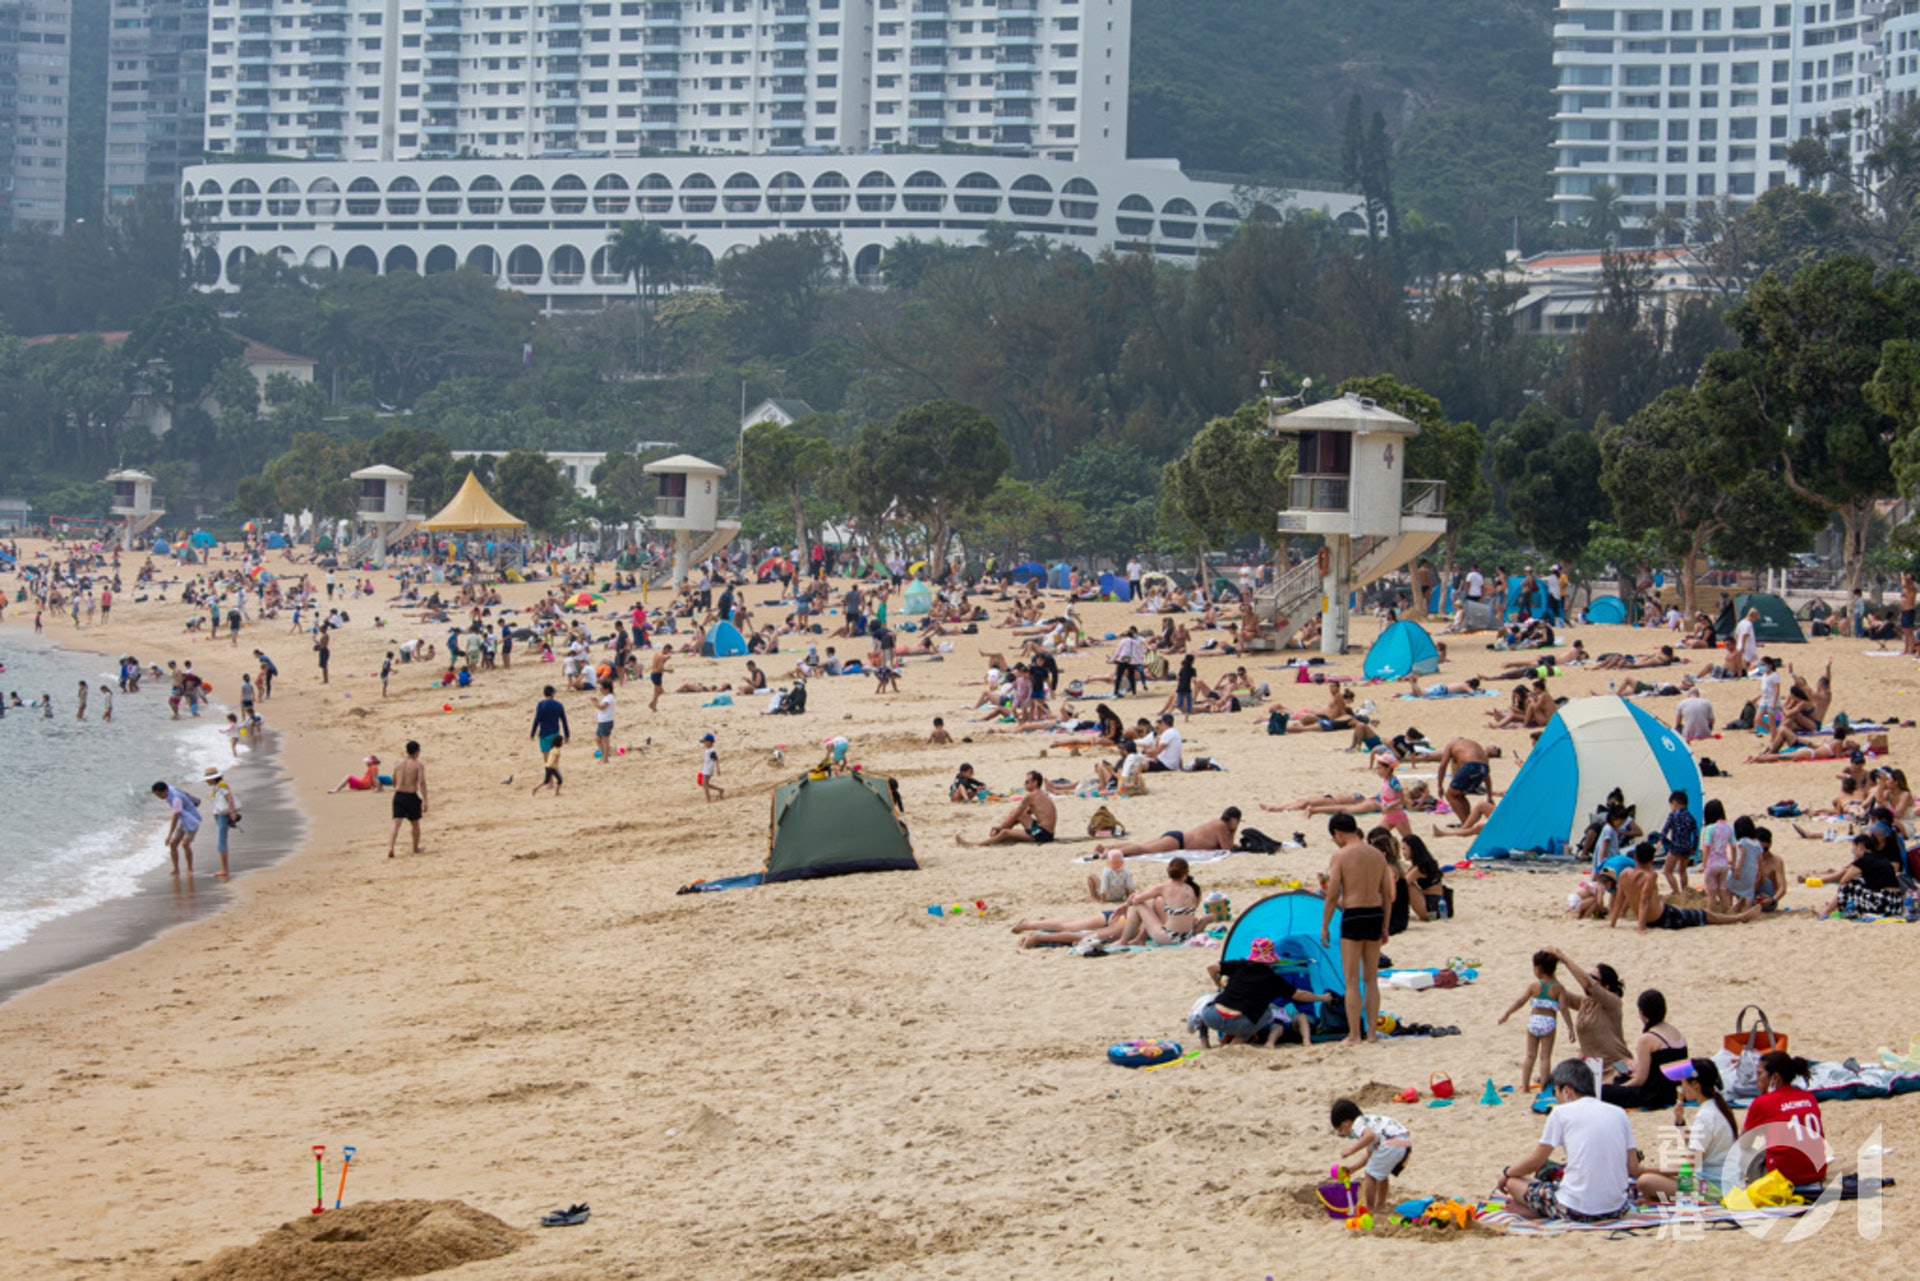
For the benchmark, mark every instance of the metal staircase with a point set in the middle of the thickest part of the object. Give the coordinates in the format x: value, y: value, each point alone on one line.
x: 1285, y: 605
x: 719, y: 538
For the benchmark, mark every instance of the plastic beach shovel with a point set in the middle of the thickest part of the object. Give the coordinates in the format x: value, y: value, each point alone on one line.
x: 319, y: 1179
x: 345, y: 1165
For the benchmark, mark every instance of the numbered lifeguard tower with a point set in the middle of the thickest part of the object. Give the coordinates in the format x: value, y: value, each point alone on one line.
x: 134, y: 504
x: 384, y: 510
x: 688, y: 504
x: 1349, y: 487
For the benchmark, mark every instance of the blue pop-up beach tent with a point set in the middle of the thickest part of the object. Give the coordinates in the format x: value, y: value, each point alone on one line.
x: 1590, y: 747
x: 1606, y: 610
x: 917, y: 599
x: 723, y: 641
x: 1403, y: 649
x: 1115, y: 586
x: 1029, y: 571
x: 1060, y: 576
x: 1292, y: 920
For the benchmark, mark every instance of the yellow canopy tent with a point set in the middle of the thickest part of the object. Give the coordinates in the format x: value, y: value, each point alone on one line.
x: 473, y: 508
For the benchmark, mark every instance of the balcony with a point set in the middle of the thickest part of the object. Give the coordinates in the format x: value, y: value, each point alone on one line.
x: 1309, y: 494
x: 416, y: 509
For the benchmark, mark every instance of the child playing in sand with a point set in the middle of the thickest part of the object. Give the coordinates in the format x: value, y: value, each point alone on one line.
x: 939, y: 737
x: 710, y: 770
x: 1386, y: 1142
x: 1717, y: 868
x: 1546, y: 997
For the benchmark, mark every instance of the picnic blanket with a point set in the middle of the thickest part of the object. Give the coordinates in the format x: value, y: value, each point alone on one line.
x: 1478, y: 693
x: 1495, y: 1214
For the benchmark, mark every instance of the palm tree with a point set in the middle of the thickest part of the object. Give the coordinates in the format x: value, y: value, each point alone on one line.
x: 646, y: 253
x: 1603, y: 214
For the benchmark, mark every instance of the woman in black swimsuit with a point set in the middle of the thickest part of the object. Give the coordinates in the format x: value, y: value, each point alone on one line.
x: 1383, y: 839
x: 1659, y: 1044
x: 1426, y: 879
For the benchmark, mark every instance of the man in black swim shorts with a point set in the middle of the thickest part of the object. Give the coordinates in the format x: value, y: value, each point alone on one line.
x: 1359, y: 887
x: 1030, y: 822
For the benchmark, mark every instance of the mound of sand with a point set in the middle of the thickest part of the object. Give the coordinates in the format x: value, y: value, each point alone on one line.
x: 365, y: 1242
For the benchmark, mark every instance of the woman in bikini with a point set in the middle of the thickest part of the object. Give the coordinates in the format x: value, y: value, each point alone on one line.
x: 1167, y: 913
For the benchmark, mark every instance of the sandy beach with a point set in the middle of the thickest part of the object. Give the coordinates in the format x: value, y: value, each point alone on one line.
x: 819, y: 1079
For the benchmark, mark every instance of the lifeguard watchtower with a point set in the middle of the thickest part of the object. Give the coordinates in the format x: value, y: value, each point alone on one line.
x: 384, y: 510
x: 1349, y: 487
x: 689, y: 505
x: 134, y: 504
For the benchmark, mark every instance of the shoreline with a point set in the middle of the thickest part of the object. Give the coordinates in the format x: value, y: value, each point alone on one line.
x: 273, y: 830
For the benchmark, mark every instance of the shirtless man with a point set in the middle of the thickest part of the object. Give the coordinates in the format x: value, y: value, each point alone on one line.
x: 1029, y: 822
x: 1640, y: 888
x: 1219, y: 834
x: 1662, y: 657
x: 409, y: 796
x: 657, y: 670
x: 1359, y: 886
x: 1463, y: 764
x: 1443, y: 690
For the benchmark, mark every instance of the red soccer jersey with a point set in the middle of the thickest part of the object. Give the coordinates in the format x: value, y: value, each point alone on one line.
x: 1796, y: 1137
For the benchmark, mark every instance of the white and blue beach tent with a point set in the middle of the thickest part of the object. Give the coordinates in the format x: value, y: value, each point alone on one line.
x: 1590, y: 747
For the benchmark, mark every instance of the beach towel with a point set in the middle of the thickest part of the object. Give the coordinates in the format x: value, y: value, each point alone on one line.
x: 1495, y: 1214
x: 1479, y: 693
x: 1192, y: 856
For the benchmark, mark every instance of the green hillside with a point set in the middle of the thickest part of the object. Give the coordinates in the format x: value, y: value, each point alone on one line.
x: 1262, y: 88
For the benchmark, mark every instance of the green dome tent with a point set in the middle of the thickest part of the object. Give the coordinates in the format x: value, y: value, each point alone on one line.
x: 833, y: 826
x: 1777, y: 623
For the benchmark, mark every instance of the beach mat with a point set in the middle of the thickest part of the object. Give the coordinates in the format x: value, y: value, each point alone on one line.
x: 1192, y: 856
x: 1496, y: 1215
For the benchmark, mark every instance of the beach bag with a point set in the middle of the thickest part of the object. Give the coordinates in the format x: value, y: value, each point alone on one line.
x: 1784, y: 809
x: 1277, y: 721
x: 1770, y: 1189
x: 1255, y: 841
x: 1759, y: 1040
x: 1103, y: 822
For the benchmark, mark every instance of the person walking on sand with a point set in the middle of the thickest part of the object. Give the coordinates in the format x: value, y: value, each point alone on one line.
x: 710, y: 769
x: 550, y: 728
x: 1360, y: 886
x: 180, y: 830
x: 1030, y: 822
x: 603, y: 721
x: 323, y: 650
x: 657, y: 670
x: 409, y: 796
x: 226, y: 813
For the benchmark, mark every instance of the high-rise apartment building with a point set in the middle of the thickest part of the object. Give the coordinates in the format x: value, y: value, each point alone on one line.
x: 1677, y: 103
x: 35, y: 38
x: 156, y: 92
x: 398, y: 79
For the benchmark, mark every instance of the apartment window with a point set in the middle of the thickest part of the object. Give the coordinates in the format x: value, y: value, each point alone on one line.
x: 1639, y: 130
x: 1709, y: 100
x: 1681, y: 20
x: 1704, y: 185
x: 1710, y: 74
x: 1709, y: 131
x: 1783, y: 15
x: 1680, y: 75
x: 1676, y: 155
x: 1707, y: 156
x: 1739, y: 184
x: 1709, y: 19
x: 1676, y: 184
x: 1745, y: 73
x: 1746, y: 18
x: 1777, y: 127
x: 1644, y: 21
x: 1782, y: 72
x: 1638, y: 77
x: 1677, y: 130
x: 1679, y: 101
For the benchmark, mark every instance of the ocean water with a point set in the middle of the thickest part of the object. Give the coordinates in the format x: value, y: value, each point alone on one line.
x: 81, y: 825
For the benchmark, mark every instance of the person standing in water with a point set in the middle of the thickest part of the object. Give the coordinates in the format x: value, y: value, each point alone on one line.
x: 185, y: 822
x: 80, y: 713
x: 409, y: 796
x: 226, y: 813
